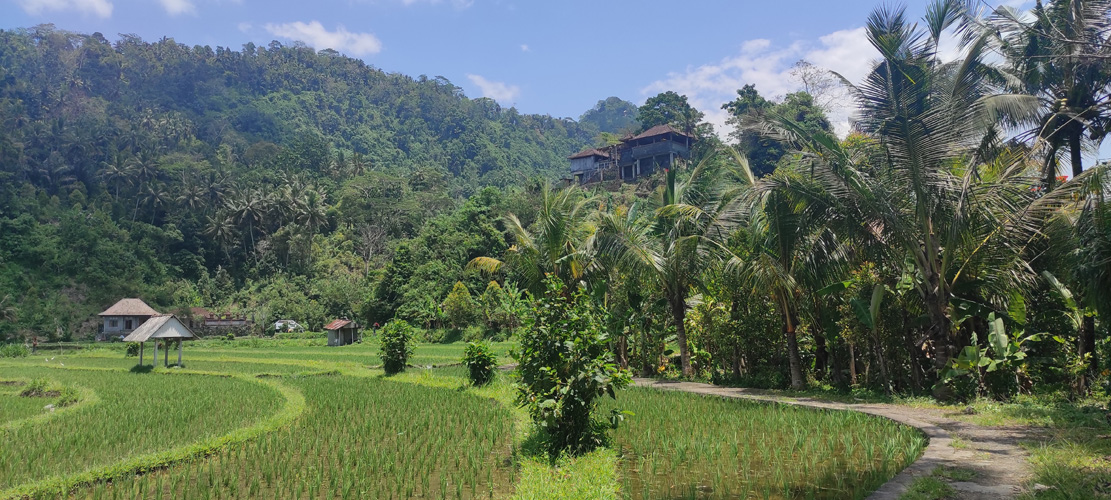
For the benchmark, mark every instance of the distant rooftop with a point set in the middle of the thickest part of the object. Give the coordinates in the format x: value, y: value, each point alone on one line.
x: 659, y: 130
x: 130, y: 307
x: 587, y: 153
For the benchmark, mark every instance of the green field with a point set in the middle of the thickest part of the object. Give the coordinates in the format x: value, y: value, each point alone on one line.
x: 281, y: 419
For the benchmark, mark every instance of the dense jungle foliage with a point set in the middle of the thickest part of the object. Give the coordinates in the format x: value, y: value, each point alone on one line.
x: 939, y: 247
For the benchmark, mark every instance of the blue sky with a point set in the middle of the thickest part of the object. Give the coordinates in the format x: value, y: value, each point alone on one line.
x: 556, y: 57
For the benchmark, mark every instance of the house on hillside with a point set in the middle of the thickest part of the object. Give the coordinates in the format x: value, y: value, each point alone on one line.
x: 124, y: 317
x: 342, y: 332
x: 634, y: 157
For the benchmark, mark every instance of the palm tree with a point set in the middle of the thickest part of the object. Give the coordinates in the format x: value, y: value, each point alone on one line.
x: 556, y: 244
x: 674, y: 245
x: 312, y: 211
x: 153, y: 195
x: 1060, y: 55
x: 248, y: 206
x: 921, y: 189
x: 192, y: 195
x: 116, y: 173
x: 790, y: 250
x: 221, y: 228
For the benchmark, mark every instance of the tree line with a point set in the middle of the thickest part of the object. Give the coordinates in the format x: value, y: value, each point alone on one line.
x: 936, y: 249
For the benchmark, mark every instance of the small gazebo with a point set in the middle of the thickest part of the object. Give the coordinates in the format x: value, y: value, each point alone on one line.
x: 162, y: 327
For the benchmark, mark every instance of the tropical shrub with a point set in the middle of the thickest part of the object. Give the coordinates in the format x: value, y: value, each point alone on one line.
x: 565, y: 365
x: 67, y: 396
x: 459, y: 306
x: 132, y: 349
x: 35, y: 388
x: 395, y: 346
x: 481, y: 362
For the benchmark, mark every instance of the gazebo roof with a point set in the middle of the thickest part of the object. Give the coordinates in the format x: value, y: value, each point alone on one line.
x: 337, y: 324
x: 163, y: 326
x: 129, y: 307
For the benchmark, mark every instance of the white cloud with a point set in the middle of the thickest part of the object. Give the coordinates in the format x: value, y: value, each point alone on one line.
x: 244, y: 27
x: 525, y: 48
x: 498, y: 91
x: 315, y: 35
x: 768, y: 66
x: 177, y: 7
x: 100, y: 8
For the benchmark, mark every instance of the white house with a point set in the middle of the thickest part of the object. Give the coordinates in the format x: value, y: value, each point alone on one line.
x: 124, y: 317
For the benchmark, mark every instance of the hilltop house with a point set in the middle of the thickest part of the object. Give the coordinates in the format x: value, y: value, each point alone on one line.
x: 124, y: 317
x: 634, y: 157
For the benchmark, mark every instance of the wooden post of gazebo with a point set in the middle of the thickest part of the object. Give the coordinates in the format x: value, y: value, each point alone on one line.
x: 141, y: 344
x: 178, y: 353
x: 155, y: 361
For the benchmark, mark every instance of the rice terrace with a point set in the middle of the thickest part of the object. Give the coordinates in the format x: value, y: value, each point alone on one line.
x: 252, y: 250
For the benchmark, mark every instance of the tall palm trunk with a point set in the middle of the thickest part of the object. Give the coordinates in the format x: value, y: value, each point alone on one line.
x: 679, y: 315
x: 1087, y: 334
x: 790, y: 324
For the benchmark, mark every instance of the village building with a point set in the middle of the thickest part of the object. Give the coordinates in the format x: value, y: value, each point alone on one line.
x: 124, y: 317
x: 634, y: 157
x: 342, y: 332
x: 203, y: 319
x: 164, y: 327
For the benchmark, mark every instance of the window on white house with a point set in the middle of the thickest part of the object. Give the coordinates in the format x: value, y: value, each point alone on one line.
x: 127, y: 324
x: 113, y: 323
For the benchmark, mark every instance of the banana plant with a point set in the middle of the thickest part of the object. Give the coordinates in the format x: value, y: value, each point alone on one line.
x: 1000, y: 352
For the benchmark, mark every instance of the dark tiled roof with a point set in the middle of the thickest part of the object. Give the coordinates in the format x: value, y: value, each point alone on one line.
x: 586, y: 153
x: 659, y: 130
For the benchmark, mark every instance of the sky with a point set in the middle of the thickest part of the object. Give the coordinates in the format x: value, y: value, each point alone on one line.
x: 547, y: 57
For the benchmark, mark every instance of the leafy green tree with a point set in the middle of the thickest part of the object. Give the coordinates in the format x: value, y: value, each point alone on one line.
x: 565, y: 365
x: 612, y: 115
x: 459, y: 306
x: 670, y: 108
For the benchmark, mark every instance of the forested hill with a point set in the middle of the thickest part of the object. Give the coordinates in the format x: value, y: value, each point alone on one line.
x: 90, y: 99
x: 202, y: 176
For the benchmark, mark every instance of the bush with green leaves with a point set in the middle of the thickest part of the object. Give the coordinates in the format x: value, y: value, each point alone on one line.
x: 132, y: 349
x: 395, y: 346
x: 230, y: 336
x: 565, y: 365
x: 14, y: 351
x: 481, y: 362
x: 459, y: 306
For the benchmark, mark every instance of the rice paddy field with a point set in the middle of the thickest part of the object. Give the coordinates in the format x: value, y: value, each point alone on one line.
x: 682, y: 445
x: 290, y: 419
